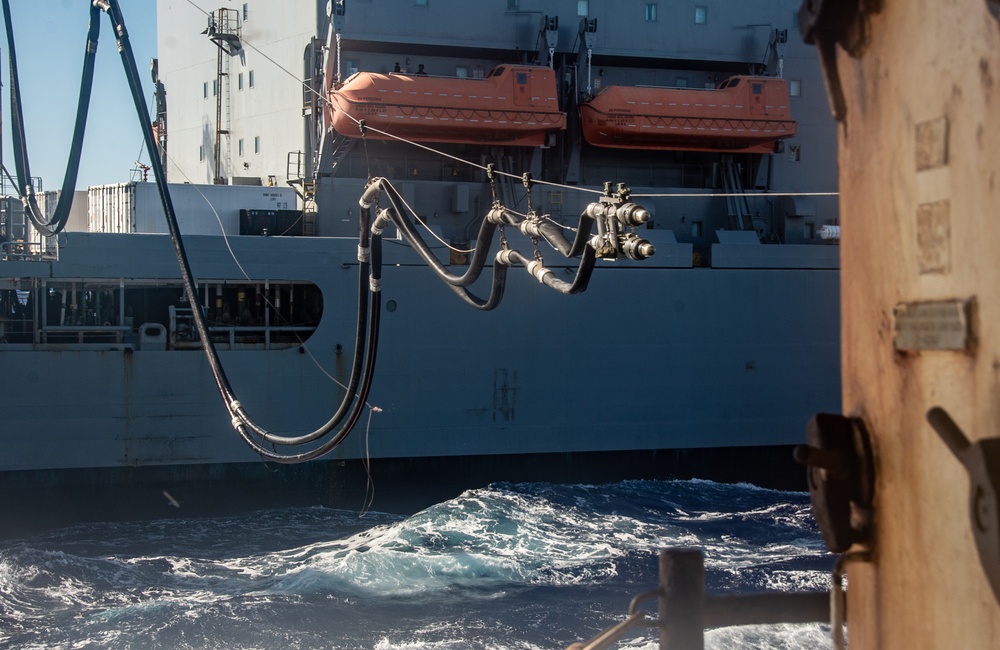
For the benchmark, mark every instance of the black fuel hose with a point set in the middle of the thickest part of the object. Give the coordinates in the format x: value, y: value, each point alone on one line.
x: 55, y: 224
x: 352, y: 404
x: 504, y: 259
x: 357, y: 365
x: 409, y: 231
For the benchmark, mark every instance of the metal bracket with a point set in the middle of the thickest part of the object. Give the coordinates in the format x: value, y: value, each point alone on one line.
x: 827, y: 23
x: 613, y: 213
x: 685, y: 610
x: 994, y: 8
x: 982, y: 462
x: 841, y: 478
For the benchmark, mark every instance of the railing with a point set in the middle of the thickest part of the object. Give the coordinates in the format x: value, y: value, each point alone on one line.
x: 227, y: 335
x: 20, y: 250
x: 685, y: 610
x: 84, y: 333
x: 183, y: 334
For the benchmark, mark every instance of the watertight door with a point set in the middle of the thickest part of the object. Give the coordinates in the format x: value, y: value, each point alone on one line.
x: 758, y: 97
x: 522, y: 88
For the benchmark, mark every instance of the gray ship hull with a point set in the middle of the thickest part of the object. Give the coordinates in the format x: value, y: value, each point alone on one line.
x: 649, y: 359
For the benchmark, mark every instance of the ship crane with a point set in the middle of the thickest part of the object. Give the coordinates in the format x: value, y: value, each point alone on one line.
x: 585, y: 38
x: 549, y: 35
x: 774, y: 57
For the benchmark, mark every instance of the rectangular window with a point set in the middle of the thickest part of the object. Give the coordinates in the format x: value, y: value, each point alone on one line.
x: 250, y: 78
x: 239, y: 81
x: 204, y: 89
x: 794, y: 88
x: 794, y: 153
x: 650, y: 12
x: 241, y: 146
x: 582, y: 8
x: 681, y: 82
x: 700, y: 15
x: 256, y: 144
x: 215, y: 87
x: 201, y: 152
x: 246, y: 9
x: 461, y: 72
x: 696, y: 229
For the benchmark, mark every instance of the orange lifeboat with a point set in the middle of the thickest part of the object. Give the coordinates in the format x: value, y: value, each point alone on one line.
x: 513, y: 105
x: 743, y: 115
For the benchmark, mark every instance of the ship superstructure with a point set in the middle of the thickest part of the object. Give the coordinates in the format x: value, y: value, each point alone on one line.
x: 272, y: 128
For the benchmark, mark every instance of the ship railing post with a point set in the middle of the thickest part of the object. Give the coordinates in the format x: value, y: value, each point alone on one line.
x: 682, y: 599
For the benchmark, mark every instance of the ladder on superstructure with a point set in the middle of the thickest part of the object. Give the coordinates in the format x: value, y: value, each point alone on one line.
x: 297, y: 173
x: 737, y: 206
x: 223, y: 30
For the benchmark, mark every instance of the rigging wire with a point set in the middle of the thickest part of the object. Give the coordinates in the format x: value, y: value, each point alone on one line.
x: 365, y: 127
x: 687, y: 195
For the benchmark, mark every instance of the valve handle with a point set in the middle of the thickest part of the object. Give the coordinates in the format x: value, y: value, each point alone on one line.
x: 981, y: 460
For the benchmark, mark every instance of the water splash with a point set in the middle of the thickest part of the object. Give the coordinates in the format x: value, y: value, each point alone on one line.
x: 506, y: 566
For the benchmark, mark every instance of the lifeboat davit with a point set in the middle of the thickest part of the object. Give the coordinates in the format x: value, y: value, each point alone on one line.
x: 742, y: 115
x: 513, y: 105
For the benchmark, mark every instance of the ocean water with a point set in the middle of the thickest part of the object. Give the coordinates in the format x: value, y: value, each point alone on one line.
x: 506, y: 566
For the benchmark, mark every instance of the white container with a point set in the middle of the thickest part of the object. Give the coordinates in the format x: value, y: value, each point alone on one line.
x: 200, y: 209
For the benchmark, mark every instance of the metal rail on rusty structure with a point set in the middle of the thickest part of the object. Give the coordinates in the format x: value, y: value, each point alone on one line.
x: 685, y: 610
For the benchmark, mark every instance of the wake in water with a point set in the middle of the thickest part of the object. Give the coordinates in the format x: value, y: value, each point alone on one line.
x: 503, y: 567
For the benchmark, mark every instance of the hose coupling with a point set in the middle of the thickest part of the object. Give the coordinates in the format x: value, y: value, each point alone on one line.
x: 637, y: 248
x: 536, y: 269
x: 371, y: 193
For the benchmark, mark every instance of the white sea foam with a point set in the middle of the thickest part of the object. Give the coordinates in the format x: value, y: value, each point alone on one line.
x: 500, y: 568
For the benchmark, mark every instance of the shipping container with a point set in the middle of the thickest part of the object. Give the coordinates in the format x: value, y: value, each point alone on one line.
x: 200, y: 209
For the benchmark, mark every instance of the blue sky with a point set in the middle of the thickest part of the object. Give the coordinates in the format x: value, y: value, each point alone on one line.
x: 50, y: 36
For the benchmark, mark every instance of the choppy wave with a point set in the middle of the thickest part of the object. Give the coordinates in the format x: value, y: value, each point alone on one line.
x: 507, y: 566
